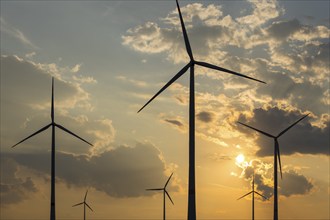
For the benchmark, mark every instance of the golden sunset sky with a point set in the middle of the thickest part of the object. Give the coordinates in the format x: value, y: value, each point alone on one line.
x: 109, y: 58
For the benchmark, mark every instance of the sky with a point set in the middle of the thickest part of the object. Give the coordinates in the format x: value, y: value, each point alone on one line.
x: 109, y: 57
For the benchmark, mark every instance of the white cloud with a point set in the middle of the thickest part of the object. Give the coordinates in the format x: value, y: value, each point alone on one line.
x: 147, y: 38
x: 263, y: 11
x: 76, y: 68
x: 294, y: 61
x: 5, y: 27
x: 105, y: 136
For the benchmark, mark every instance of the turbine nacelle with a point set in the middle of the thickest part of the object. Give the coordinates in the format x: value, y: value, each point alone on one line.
x: 84, y: 202
x: 52, y: 123
x: 164, y: 189
x: 164, y: 193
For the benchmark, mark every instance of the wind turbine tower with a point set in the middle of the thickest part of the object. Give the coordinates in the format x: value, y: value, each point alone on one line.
x: 276, y: 157
x: 53, y: 125
x: 164, y: 196
x: 85, y: 204
x: 252, y: 192
x: 191, y: 64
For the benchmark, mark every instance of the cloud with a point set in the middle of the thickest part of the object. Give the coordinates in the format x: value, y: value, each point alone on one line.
x: 174, y: 122
x: 194, y: 11
x: 205, y: 116
x: 283, y: 29
x: 76, y: 68
x: 261, y: 171
x: 14, y: 189
x: 121, y: 172
x: 294, y: 183
x: 27, y: 85
x: 16, y: 33
x: 292, y: 57
x: 263, y: 11
x: 304, y: 138
x: 25, y: 75
x: 177, y: 123
x: 219, y: 157
x: 151, y: 38
x: 105, y: 135
x: 295, y: 30
x: 147, y: 38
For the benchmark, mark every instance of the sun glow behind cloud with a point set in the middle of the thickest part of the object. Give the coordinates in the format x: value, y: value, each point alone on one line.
x: 240, y: 159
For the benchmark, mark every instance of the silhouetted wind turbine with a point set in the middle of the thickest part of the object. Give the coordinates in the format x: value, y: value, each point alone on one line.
x: 276, y: 154
x: 191, y: 65
x: 53, y: 125
x: 252, y: 192
x: 85, y: 204
x: 164, y: 192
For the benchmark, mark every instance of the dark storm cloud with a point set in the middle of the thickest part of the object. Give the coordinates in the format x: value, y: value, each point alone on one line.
x: 205, y: 116
x: 302, y: 138
x: 294, y: 183
x: 13, y: 189
x: 122, y: 172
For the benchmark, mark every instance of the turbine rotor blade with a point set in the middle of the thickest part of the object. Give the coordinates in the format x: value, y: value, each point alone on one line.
x: 35, y: 133
x: 185, y: 35
x: 52, y: 104
x: 66, y: 130
x: 180, y: 73
x: 245, y: 195
x: 262, y: 132
x: 279, y: 156
x: 168, y: 180
x: 89, y: 207
x: 157, y: 189
x: 168, y: 195
x: 211, y: 66
x: 261, y: 195
x: 285, y: 130
x: 78, y: 204
x: 85, y: 195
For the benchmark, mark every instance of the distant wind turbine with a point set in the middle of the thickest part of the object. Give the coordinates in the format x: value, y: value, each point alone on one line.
x: 276, y: 154
x: 191, y: 65
x: 85, y: 204
x: 53, y: 125
x: 252, y: 192
x: 164, y: 192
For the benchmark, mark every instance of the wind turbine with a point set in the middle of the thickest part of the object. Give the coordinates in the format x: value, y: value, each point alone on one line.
x: 191, y: 65
x: 85, y: 204
x: 252, y: 192
x: 53, y: 125
x: 164, y: 192
x: 276, y: 155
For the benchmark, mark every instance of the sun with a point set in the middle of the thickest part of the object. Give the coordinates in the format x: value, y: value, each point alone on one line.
x: 240, y: 158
